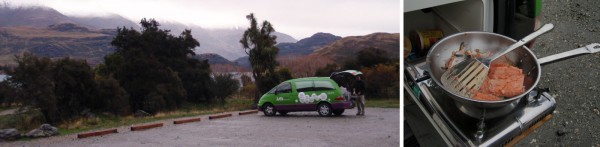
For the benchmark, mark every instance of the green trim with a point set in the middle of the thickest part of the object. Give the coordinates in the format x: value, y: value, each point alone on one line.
x: 538, y: 7
x: 309, y: 79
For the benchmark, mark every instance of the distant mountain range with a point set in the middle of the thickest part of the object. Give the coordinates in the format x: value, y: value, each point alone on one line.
x: 46, y: 32
x: 55, y: 41
x: 30, y: 16
x: 224, y: 42
x: 212, y: 58
x: 335, y: 47
x: 105, y: 22
x: 243, y: 62
x: 303, y: 47
x: 348, y: 47
x: 307, y: 45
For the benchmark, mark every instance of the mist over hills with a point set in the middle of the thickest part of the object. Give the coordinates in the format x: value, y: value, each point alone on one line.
x: 337, y: 48
x: 105, y: 22
x: 224, y: 42
x: 307, y: 45
x: 303, y: 47
x: 34, y: 16
x: 56, y: 41
x: 47, y: 32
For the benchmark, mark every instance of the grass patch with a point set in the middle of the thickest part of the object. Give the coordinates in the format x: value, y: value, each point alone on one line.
x: 383, y: 103
x: 4, y: 107
x: 23, y: 121
x: 106, y: 120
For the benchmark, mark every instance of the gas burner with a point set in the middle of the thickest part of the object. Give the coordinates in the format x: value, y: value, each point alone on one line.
x: 496, y: 127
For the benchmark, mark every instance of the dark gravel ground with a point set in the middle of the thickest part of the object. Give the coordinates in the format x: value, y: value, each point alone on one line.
x: 378, y: 128
x: 575, y: 83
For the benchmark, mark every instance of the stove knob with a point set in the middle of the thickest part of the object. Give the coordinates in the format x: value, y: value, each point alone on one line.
x: 540, y: 92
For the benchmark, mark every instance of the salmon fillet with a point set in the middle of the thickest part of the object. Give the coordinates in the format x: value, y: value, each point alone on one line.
x: 486, y: 97
x: 503, y: 80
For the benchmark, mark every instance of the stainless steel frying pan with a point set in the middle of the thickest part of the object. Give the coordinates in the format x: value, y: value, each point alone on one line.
x: 522, y: 57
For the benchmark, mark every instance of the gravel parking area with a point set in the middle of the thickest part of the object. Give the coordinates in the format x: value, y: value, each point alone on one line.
x: 573, y: 82
x: 379, y: 127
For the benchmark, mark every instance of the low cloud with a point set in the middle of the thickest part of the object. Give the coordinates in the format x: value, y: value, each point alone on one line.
x: 297, y: 18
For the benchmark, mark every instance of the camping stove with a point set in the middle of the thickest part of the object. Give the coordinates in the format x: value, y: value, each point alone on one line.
x: 460, y: 129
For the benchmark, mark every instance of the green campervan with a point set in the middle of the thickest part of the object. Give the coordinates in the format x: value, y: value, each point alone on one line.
x: 305, y: 94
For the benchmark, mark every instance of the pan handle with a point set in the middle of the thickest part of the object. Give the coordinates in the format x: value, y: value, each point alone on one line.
x: 588, y: 49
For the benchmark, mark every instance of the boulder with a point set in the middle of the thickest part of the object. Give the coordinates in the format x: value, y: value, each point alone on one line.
x: 45, y: 130
x: 9, y: 134
x: 141, y: 113
x: 87, y: 113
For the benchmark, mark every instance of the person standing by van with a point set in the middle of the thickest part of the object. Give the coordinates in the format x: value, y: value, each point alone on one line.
x: 359, y: 90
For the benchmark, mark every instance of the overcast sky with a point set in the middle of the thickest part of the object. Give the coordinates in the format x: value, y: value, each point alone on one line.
x: 298, y: 18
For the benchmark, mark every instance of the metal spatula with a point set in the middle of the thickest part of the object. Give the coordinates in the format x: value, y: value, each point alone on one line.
x: 468, y: 75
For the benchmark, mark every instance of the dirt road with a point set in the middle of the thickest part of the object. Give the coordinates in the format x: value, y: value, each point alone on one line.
x: 379, y: 127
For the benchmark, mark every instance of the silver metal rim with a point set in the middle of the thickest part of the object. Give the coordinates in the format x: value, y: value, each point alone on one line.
x: 324, y: 109
x: 269, y: 109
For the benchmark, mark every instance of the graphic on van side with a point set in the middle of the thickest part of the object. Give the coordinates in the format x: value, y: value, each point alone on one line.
x: 305, y: 99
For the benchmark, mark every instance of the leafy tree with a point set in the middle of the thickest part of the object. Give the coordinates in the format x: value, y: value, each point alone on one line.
x: 248, y: 91
x: 155, y: 68
x: 110, y: 96
x: 370, y: 57
x: 34, y: 85
x: 259, y: 44
x: 74, y: 87
x: 4, y: 88
x: 367, y: 57
x: 327, y: 70
x: 351, y: 64
x: 248, y: 88
x: 224, y: 86
x: 196, y: 80
x: 7, y: 93
x: 382, y: 80
x: 60, y: 89
x: 284, y: 74
x: 304, y: 66
x: 246, y: 80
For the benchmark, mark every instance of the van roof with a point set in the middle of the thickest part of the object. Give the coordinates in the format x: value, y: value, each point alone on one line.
x: 309, y: 79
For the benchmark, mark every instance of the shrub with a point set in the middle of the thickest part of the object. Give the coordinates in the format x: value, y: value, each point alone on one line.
x: 224, y: 85
x: 382, y: 80
x: 111, y: 97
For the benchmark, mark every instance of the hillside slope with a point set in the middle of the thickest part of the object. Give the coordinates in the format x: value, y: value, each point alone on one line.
x: 212, y: 58
x: 51, y: 42
x: 348, y: 47
x: 33, y: 16
x: 226, y: 42
x: 307, y: 45
x: 39, y: 29
x: 105, y: 22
